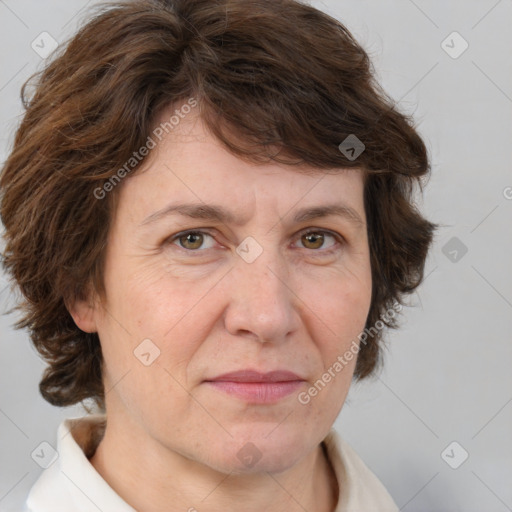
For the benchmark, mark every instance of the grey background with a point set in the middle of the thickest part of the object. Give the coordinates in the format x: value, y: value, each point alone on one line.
x: 447, y: 375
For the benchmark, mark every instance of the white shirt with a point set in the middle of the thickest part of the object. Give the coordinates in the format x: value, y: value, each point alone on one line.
x: 72, y: 484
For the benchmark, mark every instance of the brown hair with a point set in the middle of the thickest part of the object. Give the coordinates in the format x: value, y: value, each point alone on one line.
x: 277, y: 73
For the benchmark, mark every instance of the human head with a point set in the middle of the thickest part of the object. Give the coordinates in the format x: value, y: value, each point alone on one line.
x: 98, y: 101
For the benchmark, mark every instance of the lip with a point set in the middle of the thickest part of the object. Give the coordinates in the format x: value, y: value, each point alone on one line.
x: 258, y: 388
x: 255, y: 376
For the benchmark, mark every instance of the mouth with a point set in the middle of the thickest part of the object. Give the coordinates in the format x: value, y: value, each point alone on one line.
x: 257, y: 388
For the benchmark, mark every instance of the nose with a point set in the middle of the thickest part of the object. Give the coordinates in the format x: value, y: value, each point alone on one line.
x: 262, y: 304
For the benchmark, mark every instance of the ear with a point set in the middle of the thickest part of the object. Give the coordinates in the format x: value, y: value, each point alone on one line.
x: 83, y: 311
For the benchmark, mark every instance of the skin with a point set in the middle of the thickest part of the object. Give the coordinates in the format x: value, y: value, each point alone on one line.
x: 172, y: 439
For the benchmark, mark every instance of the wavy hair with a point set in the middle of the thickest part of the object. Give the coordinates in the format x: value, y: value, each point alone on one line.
x: 266, y: 74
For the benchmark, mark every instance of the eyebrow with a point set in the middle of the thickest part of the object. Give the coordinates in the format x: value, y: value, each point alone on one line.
x: 219, y: 213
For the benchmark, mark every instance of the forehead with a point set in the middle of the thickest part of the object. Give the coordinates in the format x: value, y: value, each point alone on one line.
x: 191, y: 165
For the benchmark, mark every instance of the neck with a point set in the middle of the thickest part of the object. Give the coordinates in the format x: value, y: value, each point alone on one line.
x: 155, y: 478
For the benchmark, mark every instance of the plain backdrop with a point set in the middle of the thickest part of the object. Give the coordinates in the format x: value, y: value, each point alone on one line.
x: 445, y: 392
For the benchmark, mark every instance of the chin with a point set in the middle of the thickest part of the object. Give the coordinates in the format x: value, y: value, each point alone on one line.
x: 259, y: 449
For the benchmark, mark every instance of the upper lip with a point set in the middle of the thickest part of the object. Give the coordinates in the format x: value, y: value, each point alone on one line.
x: 255, y: 376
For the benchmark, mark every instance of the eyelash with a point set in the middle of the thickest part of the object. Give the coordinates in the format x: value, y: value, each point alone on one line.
x: 338, y: 238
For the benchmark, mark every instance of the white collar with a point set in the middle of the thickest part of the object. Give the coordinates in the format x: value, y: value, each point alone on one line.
x: 72, y: 482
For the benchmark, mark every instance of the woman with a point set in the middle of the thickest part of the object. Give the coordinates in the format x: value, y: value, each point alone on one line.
x: 208, y: 212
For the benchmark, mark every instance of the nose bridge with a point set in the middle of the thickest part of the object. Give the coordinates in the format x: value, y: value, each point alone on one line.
x: 261, y: 302
x: 266, y: 275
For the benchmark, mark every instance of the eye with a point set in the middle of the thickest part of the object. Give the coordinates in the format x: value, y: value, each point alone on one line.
x: 318, y: 240
x: 193, y: 240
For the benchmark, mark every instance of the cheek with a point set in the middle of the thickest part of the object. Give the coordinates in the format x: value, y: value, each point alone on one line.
x: 152, y: 300
x: 338, y: 310
x: 148, y: 348
x: 174, y: 314
x: 340, y: 301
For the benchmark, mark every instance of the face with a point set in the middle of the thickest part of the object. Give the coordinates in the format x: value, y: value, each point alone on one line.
x: 231, y: 289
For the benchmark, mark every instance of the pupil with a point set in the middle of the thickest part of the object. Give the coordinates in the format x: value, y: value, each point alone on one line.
x: 193, y: 239
x: 315, y: 239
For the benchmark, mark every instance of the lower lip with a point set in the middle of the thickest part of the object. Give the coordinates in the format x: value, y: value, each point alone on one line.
x: 258, y: 392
